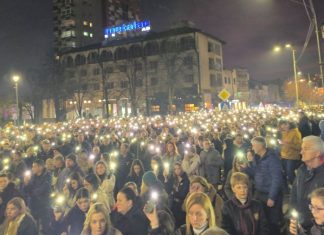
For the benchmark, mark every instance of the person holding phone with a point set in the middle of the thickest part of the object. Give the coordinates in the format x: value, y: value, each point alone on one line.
x: 316, y: 206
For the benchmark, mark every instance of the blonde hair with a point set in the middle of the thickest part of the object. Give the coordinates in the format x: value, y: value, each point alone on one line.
x: 203, y: 200
x: 96, y: 208
x: 318, y: 193
x: 239, y: 177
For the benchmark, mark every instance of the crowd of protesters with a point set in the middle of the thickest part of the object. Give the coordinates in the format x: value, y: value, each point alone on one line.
x: 200, y: 173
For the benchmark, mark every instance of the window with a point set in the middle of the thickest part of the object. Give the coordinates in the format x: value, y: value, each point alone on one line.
x: 70, y: 44
x: 153, y: 65
x: 66, y: 11
x: 139, y: 82
x: 188, y: 60
x: 96, y: 86
x: 216, y: 80
x: 225, y: 80
x: 109, y: 70
x: 90, y: 24
x: 85, y: 23
x: 124, y: 84
x: 67, y: 34
x: 83, y: 72
x: 217, y: 49
x: 110, y: 85
x: 67, y: 23
x: 212, y: 64
x: 234, y: 81
x: 86, y: 34
x: 122, y: 68
x: 189, y: 78
x: 96, y: 71
x: 154, y: 81
x: 138, y: 67
x: 210, y: 47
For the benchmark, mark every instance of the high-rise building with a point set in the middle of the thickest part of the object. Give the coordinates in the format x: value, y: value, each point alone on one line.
x: 120, y: 11
x: 79, y: 23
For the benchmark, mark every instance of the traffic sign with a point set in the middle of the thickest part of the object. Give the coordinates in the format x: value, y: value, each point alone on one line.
x: 224, y: 94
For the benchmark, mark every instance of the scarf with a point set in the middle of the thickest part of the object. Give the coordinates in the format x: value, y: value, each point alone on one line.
x: 243, y: 219
x: 12, y: 227
x: 199, y: 231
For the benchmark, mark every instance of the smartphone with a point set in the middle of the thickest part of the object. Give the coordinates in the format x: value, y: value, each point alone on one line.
x: 149, y: 207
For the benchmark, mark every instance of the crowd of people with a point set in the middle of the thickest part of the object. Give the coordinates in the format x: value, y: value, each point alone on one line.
x: 208, y: 172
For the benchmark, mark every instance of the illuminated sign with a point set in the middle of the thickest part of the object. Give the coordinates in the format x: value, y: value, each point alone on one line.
x: 133, y: 26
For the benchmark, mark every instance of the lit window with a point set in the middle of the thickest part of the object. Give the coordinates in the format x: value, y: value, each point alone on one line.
x: 90, y: 24
x: 91, y: 35
x: 85, y: 23
x: 86, y: 34
x: 69, y: 33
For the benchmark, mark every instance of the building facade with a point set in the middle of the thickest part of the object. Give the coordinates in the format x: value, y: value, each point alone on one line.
x: 181, y: 66
x: 78, y: 23
x: 242, y: 78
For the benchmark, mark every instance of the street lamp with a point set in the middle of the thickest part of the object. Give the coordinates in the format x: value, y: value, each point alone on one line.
x: 289, y: 47
x: 16, y: 79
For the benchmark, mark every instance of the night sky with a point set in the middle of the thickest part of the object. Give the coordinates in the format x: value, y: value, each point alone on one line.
x: 250, y: 29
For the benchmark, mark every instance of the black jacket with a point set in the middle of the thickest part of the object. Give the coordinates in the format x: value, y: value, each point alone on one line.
x: 134, y: 222
x: 74, y: 219
x: 306, y: 181
x: 27, y: 226
x: 38, y: 191
x: 8, y: 193
x: 248, y: 219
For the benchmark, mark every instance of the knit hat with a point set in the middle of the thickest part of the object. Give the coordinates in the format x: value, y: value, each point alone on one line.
x: 149, y: 178
x: 71, y: 157
x: 201, y: 180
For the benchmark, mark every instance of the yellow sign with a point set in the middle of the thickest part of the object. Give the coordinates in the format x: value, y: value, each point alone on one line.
x: 224, y: 95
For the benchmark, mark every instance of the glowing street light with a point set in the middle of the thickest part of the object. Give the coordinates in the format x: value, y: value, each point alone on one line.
x: 290, y: 47
x: 16, y: 79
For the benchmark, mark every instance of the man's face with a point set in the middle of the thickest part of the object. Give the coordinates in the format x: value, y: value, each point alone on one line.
x: 36, y: 169
x: 206, y: 145
x: 46, y: 147
x: 257, y: 147
x: 69, y: 163
x: 240, y: 191
x: 309, y: 156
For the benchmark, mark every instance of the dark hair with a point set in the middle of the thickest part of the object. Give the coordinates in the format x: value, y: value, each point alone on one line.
x: 2, y: 174
x: 129, y: 194
x: 82, y: 193
x: 39, y: 162
x: 93, y: 180
x: 166, y: 222
x: 138, y: 163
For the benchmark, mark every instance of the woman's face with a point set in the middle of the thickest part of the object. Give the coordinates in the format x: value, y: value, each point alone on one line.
x: 88, y: 186
x: 197, y: 188
x: 197, y: 216
x: 317, y: 209
x: 74, y: 184
x: 241, y: 191
x: 100, y: 169
x: 12, y: 211
x: 137, y: 169
x: 170, y: 148
x: 177, y: 170
x: 97, y: 224
x: 123, y: 205
x: 83, y: 204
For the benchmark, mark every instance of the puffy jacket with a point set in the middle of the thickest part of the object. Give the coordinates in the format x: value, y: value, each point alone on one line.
x: 248, y: 219
x: 306, y: 181
x: 267, y: 174
x: 211, y: 164
x: 293, y: 140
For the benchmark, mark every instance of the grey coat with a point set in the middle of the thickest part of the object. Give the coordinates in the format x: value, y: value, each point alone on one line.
x: 211, y: 164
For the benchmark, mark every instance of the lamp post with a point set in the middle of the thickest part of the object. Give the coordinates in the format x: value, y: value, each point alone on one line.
x: 16, y: 79
x: 288, y: 46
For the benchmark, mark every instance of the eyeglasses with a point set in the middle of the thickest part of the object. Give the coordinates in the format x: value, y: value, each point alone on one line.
x: 315, y: 208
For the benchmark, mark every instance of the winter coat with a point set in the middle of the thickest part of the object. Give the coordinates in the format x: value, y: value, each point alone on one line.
x: 321, y: 126
x: 293, y: 140
x: 73, y: 222
x: 18, y: 170
x: 124, y: 164
x: 182, y: 230
x: 38, y: 190
x: 178, y: 195
x: 211, y: 164
x: 216, y: 201
x: 26, y: 227
x: 8, y: 193
x: 305, y: 127
x: 45, y: 155
x: 134, y: 222
x: 306, y: 181
x: 112, y: 231
x: 136, y: 179
x: 248, y: 219
x: 191, y: 165
x: 315, y: 230
x: 108, y: 185
x: 267, y: 174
